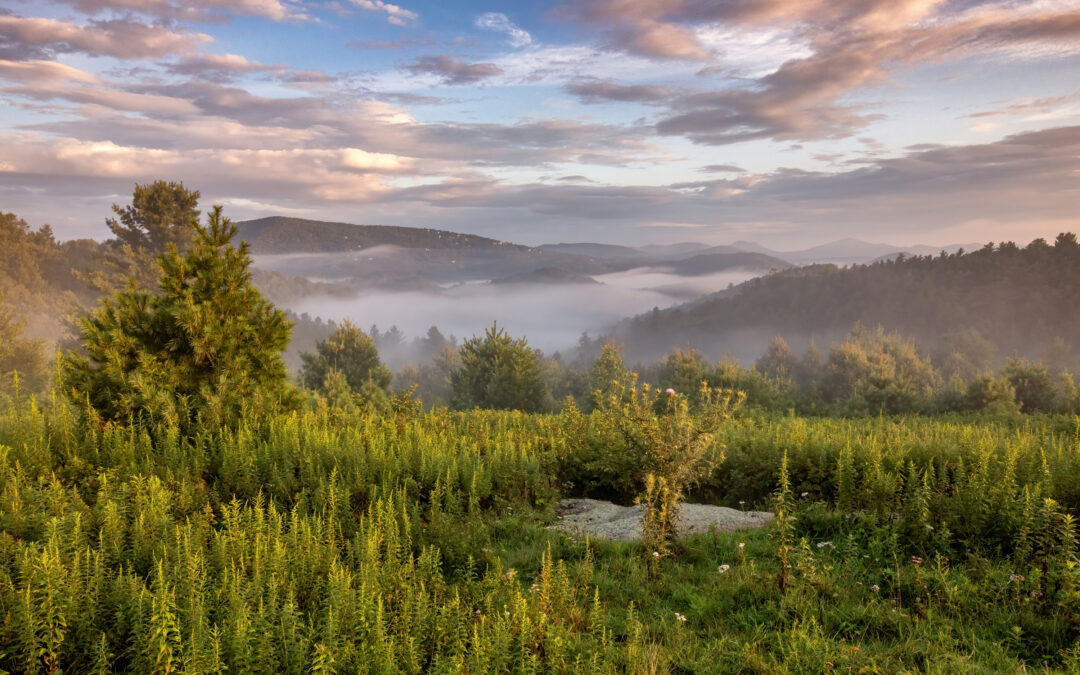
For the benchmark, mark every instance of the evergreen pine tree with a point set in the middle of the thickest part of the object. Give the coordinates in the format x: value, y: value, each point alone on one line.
x: 203, y: 348
x: 499, y: 372
x: 161, y: 214
x: 351, y: 352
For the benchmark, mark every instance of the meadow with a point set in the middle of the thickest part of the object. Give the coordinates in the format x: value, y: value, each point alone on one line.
x: 329, y: 540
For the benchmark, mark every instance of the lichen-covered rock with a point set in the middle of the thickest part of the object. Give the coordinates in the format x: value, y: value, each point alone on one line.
x: 606, y: 520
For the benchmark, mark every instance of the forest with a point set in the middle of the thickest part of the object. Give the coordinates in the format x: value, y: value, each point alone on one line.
x: 176, y: 497
x: 1020, y: 299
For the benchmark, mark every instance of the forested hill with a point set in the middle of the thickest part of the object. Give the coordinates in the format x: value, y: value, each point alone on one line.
x: 278, y: 234
x: 1021, y: 299
x: 712, y: 262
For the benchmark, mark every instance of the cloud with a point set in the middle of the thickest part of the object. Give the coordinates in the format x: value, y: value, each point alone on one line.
x: 1020, y: 186
x: 499, y: 23
x: 329, y: 174
x: 602, y: 91
x: 42, y: 72
x: 1040, y: 107
x: 830, y: 50
x: 192, y: 10
x: 453, y: 71
x: 120, y: 38
x: 387, y: 44
x: 218, y: 66
x: 722, y: 168
x: 394, y: 14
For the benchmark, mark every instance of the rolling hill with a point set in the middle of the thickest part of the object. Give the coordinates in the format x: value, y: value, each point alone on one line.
x: 278, y: 234
x: 1021, y: 300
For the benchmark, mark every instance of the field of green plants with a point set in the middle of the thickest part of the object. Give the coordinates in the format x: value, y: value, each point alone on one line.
x: 347, y: 541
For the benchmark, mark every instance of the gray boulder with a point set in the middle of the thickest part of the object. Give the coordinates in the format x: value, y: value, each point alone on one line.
x: 605, y: 520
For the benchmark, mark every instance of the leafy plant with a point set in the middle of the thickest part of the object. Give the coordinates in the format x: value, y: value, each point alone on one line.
x: 672, y: 442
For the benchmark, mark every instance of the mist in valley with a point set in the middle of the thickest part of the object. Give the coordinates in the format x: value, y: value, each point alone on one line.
x: 551, y: 316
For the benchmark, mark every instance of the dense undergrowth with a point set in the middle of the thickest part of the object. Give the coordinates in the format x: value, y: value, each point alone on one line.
x: 323, y: 541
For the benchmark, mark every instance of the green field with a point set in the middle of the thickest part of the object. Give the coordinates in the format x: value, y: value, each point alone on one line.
x: 324, y: 541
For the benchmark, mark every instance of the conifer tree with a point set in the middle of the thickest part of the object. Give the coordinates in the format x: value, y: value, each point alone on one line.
x: 778, y: 362
x: 499, y: 372
x: 161, y: 214
x: 608, y: 373
x: 201, y: 349
x: 351, y: 352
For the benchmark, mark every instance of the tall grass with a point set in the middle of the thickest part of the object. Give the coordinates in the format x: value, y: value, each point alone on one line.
x: 329, y: 542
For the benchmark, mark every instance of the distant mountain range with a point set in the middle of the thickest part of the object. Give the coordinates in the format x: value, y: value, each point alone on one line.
x: 851, y: 251
x: 841, y: 252
x: 278, y: 234
x: 800, y: 293
x: 380, y: 256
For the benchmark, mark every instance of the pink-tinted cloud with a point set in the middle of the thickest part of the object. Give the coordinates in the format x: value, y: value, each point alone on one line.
x: 399, y: 16
x: 853, y: 45
x: 591, y: 90
x: 193, y: 10
x: 121, y: 38
x: 453, y: 71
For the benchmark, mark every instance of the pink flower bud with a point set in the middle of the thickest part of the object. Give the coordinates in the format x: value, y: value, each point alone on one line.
x: 670, y: 392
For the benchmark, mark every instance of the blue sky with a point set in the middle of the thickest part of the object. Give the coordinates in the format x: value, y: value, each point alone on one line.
x: 789, y: 122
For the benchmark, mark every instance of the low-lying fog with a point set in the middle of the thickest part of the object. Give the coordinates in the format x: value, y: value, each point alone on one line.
x: 552, y: 317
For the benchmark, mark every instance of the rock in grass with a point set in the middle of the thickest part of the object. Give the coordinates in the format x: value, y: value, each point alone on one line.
x: 606, y: 520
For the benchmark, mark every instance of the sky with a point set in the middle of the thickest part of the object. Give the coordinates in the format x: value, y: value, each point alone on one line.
x: 786, y: 122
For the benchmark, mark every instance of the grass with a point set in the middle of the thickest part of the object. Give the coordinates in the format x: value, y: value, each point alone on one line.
x: 328, y: 542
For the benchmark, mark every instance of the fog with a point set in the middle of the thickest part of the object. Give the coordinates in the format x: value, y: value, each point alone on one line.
x: 552, y: 316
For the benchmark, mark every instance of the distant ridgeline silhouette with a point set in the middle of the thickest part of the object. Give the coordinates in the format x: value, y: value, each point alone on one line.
x: 1021, y: 299
x: 278, y: 234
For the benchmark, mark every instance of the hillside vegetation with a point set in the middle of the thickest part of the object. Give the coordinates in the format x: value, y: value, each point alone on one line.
x: 1022, y: 300
x: 280, y: 234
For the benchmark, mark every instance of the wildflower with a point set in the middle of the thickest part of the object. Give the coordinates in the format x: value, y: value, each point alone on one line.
x: 1016, y: 578
x: 509, y: 575
x: 679, y: 617
x: 804, y: 494
x: 670, y: 391
x: 742, y: 544
x: 656, y: 554
x: 823, y: 544
x: 723, y: 568
x: 875, y: 588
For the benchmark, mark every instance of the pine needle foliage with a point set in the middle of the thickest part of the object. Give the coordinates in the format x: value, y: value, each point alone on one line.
x: 199, y: 351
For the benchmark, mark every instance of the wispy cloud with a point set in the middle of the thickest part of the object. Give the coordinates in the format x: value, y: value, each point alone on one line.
x: 396, y: 15
x: 453, y: 71
x: 498, y: 22
x: 601, y: 91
